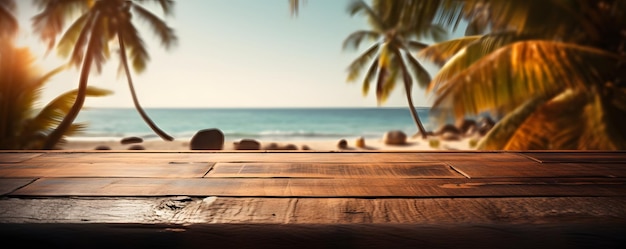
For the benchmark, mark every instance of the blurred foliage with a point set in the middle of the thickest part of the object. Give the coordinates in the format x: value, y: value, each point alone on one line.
x: 22, y: 124
x: 8, y: 22
x: 396, y: 28
x: 86, y: 41
x: 554, y: 69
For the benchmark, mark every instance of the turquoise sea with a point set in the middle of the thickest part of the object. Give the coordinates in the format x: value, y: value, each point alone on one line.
x: 278, y: 124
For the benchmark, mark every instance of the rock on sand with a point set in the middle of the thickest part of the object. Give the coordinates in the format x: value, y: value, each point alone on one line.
x: 247, y: 144
x: 207, y: 139
x: 394, y: 137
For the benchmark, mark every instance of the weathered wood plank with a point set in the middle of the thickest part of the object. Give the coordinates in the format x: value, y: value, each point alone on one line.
x: 16, y: 157
x: 120, y: 157
x: 229, y: 210
x: 335, y: 170
x: 57, y: 168
x: 577, y: 156
x: 305, y: 187
x: 260, y: 156
x: 8, y: 185
x: 566, y: 200
x: 483, y: 169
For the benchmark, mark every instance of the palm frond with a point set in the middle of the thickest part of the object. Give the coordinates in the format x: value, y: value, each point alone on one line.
x: 555, y: 18
x: 499, y: 136
x: 97, y: 46
x: 604, y: 124
x: 386, y: 85
x: 71, y: 36
x: 369, y: 76
x: 54, y: 112
x: 354, y: 69
x: 383, y: 74
x: 135, y: 46
x: 93, y: 41
x: 440, y: 52
x: 83, y: 38
x: 51, y: 20
x: 423, y: 77
x: 359, y: 6
x: 416, y: 45
x: 354, y: 40
x: 390, y: 13
x: 450, y: 13
x: 402, y: 67
x: 424, y: 19
x: 434, y: 32
x: 510, y: 75
x: 502, y: 14
x: 8, y: 22
x: 574, y: 120
x: 166, y: 5
x: 474, y: 48
x: 166, y: 34
x: 555, y: 125
x: 387, y: 74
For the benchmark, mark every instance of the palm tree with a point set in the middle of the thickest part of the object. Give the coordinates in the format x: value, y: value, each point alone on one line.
x: 21, y: 125
x: 88, y: 38
x: 394, y: 25
x: 555, y: 68
x: 8, y: 23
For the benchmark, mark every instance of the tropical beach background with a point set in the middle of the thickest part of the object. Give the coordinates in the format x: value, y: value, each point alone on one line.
x: 91, y: 72
x: 317, y: 128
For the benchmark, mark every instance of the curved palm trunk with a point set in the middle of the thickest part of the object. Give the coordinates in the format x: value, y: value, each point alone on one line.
x: 407, y: 90
x: 56, y: 135
x: 416, y: 118
x: 138, y: 107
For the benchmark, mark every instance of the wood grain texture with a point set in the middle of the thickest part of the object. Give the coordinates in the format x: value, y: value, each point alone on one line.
x: 8, y: 185
x: 294, y: 187
x: 57, y: 168
x: 231, y: 210
x: 483, y: 169
x: 577, y: 156
x: 16, y: 157
x: 221, y: 199
x: 261, y: 156
x: 335, y: 170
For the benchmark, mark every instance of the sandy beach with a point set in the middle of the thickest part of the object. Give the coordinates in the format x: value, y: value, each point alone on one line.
x: 417, y: 144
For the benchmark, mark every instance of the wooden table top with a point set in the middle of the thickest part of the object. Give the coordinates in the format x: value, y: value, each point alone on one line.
x: 436, y: 199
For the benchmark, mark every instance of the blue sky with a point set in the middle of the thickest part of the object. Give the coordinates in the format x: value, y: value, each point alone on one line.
x: 235, y: 53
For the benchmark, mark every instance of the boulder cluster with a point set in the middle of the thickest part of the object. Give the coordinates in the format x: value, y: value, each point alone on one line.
x: 213, y: 139
x: 447, y: 132
x: 134, y: 142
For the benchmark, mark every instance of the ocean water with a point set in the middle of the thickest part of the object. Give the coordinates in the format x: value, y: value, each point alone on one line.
x: 265, y: 124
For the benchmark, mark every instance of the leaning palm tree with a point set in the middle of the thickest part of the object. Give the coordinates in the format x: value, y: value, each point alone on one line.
x: 555, y: 68
x: 23, y: 125
x: 394, y: 25
x: 87, y: 40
